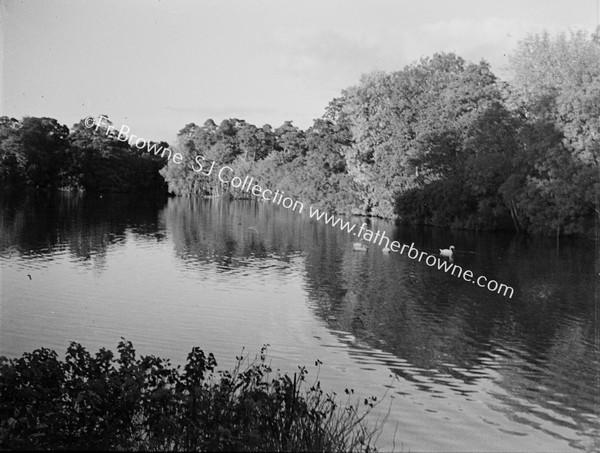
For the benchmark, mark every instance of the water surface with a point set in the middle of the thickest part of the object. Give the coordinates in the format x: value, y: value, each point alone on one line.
x: 460, y: 368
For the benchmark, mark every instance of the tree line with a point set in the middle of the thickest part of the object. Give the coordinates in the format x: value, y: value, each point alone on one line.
x: 41, y: 153
x: 441, y: 142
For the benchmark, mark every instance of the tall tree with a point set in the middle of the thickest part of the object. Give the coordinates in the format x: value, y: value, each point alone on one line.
x: 415, y: 127
x: 557, y: 80
x: 33, y: 150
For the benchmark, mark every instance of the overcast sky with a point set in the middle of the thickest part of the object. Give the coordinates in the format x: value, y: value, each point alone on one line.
x: 159, y: 65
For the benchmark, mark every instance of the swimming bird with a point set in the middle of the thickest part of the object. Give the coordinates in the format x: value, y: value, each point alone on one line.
x: 360, y: 247
x: 386, y: 249
x: 29, y: 275
x: 447, y: 253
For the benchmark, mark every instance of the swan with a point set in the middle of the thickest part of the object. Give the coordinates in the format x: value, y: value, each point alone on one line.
x: 447, y: 253
x: 386, y: 249
x: 360, y: 247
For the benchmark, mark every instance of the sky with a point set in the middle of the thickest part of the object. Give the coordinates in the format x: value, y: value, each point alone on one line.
x: 157, y: 65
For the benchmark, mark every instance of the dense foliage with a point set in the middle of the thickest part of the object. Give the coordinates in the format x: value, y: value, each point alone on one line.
x: 130, y: 403
x: 441, y: 142
x: 41, y: 153
x: 307, y: 164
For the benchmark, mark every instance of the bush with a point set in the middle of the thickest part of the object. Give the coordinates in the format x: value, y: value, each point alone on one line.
x: 128, y: 403
x: 449, y: 204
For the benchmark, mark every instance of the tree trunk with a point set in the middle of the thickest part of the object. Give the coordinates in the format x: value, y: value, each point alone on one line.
x: 515, y: 215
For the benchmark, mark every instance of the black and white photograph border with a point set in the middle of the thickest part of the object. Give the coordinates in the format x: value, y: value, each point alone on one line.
x: 317, y: 225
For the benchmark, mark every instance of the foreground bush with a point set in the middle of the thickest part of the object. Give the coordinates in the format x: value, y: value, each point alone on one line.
x: 115, y: 403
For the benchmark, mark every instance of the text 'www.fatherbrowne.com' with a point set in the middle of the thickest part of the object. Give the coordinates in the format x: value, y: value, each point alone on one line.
x: 413, y: 253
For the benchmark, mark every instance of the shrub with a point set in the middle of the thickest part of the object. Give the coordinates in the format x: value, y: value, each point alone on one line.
x: 129, y: 403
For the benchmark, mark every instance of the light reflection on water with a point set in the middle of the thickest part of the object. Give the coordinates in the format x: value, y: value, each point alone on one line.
x: 465, y: 369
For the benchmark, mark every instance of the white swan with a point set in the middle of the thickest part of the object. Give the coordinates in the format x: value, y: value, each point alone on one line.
x: 360, y: 247
x: 447, y: 253
x: 386, y: 249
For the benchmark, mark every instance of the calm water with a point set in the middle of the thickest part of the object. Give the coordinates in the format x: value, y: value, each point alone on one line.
x: 459, y: 368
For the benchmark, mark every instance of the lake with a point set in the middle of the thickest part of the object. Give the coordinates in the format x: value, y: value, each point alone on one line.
x: 458, y: 367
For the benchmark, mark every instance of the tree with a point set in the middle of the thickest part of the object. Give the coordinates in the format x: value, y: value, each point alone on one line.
x: 11, y: 152
x: 543, y: 65
x: 289, y: 142
x: 557, y: 84
x: 32, y: 151
x: 98, y: 161
x: 324, y: 181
